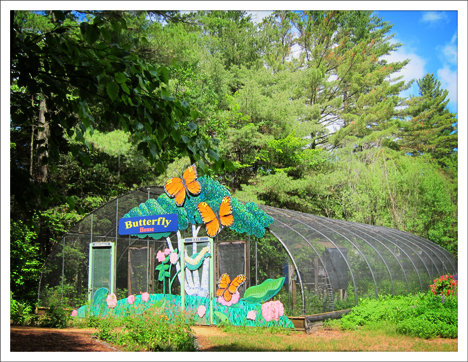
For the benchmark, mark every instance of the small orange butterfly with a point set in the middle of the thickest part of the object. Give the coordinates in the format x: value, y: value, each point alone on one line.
x: 214, y: 222
x: 179, y: 186
x: 227, y: 288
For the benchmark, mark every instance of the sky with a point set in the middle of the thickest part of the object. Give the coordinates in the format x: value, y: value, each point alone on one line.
x: 432, y: 38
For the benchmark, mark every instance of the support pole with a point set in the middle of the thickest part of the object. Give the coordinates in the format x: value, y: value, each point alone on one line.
x: 256, y: 264
x: 90, y: 273
x: 182, y: 272
x: 116, y: 240
x: 211, y: 280
x: 63, y: 266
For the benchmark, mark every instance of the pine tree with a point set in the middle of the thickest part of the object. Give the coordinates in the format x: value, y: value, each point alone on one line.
x: 430, y: 126
x: 346, y: 89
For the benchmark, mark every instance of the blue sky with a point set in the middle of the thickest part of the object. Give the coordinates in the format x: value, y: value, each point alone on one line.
x: 430, y: 40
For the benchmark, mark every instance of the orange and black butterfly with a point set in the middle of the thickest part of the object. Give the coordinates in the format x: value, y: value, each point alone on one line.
x: 214, y: 222
x: 227, y: 288
x: 179, y: 186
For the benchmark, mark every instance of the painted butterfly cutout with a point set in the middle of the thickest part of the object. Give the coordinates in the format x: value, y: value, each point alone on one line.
x: 227, y: 288
x: 179, y: 186
x: 215, y: 222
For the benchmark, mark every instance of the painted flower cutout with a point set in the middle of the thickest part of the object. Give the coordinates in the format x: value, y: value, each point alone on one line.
x: 160, y: 256
x: 235, y: 298
x: 74, y: 313
x: 131, y: 299
x: 201, y: 311
x: 167, y: 251
x: 145, y: 296
x: 272, y: 310
x: 251, y: 315
x: 111, y: 300
x: 174, y: 257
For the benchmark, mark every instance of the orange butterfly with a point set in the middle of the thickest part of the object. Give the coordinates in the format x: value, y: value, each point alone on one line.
x: 178, y: 187
x: 214, y: 222
x: 227, y: 288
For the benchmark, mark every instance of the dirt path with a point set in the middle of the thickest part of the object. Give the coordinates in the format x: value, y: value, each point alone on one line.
x: 33, y: 339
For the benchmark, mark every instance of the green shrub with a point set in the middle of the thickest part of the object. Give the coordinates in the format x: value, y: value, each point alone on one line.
x: 20, y: 313
x: 56, y: 317
x: 421, y: 315
x: 151, y: 330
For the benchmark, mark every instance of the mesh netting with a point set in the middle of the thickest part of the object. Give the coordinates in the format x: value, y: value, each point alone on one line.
x: 231, y: 260
x: 327, y: 264
x: 359, y: 260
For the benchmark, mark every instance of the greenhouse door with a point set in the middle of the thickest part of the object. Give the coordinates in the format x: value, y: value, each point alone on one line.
x: 140, y: 270
x: 231, y: 258
x: 101, y: 267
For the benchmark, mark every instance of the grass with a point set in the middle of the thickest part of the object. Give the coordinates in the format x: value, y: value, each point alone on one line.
x: 381, y: 337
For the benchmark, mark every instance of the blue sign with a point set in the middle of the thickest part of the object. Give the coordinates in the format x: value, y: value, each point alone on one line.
x: 148, y: 224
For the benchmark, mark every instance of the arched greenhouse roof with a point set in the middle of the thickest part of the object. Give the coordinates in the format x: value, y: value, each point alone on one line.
x: 325, y: 255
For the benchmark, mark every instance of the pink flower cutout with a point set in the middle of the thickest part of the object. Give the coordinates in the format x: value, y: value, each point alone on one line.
x: 251, y: 315
x: 145, y: 296
x: 235, y: 298
x: 201, y: 311
x: 131, y: 299
x: 111, y: 300
x: 160, y: 256
x: 174, y: 257
x: 167, y: 251
x: 272, y: 310
x: 74, y: 313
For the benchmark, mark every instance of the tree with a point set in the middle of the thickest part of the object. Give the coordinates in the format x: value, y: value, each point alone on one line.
x: 234, y: 36
x: 278, y: 29
x: 430, y: 126
x: 78, y: 71
x: 340, y: 78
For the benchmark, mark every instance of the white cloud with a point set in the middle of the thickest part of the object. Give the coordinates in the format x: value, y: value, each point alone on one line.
x: 413, y: 70
x: 432, y: 17
x: 449, y: 81
x: 450, y: 51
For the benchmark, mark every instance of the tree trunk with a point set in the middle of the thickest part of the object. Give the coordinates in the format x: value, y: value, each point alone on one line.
x: 43, y: 135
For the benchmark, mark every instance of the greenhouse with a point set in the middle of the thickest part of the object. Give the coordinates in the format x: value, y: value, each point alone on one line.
x: 320, y: 264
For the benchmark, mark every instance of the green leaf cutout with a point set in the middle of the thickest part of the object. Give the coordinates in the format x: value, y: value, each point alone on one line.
x: 263, y: 292
x: 222, y: 317
x: 160, y: 303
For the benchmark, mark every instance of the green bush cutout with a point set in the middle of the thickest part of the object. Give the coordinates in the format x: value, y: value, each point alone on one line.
x: 263, y: 292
